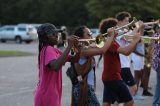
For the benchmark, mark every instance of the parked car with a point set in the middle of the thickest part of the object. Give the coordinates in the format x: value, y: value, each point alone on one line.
x: 18, y: 33
x: 34, y: 25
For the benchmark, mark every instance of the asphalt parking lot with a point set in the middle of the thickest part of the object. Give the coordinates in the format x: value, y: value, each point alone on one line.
x: 18, y: 76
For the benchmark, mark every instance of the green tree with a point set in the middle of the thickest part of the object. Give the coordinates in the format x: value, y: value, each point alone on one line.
x: 108, y: 8
x: 72, y: 12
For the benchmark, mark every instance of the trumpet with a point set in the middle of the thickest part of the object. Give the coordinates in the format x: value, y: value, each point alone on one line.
x: 99, y: 42
x: 144, y: 39
x: 152, y: 23
x: 86, y: 43
x: 100, y: 38
x: 132, y: 24
x: 149, y: 24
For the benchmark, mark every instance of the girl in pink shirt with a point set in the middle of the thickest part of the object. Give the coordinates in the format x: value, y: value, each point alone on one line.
x: 51, y: 59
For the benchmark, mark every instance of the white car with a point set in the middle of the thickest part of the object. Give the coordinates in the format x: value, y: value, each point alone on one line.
x: 18, y: 33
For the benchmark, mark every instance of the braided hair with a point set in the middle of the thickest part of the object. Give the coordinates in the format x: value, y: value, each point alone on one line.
x: 44, y: 31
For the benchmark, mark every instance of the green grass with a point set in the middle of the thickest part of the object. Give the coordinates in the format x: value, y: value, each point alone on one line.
x: 10, y: 53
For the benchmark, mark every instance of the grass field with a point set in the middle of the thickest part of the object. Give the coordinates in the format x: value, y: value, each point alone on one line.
x: 9, y: 53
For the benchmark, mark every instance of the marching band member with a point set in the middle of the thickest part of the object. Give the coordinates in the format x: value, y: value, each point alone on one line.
x: 83, y: 93
x: 50, y: 61
x: 123, y: 19
x: 114, y: 87
x: 156, y: 66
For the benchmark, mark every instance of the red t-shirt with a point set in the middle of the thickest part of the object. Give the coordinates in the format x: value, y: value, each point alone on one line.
x: 112, y: 67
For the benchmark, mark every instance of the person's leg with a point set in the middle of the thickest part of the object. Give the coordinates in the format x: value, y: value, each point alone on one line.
x: 106, y: 104
x: 123, y: 94
x: 129, y: 80
x: 129, y: 103
x: 137, y: 76
x: 145, y: 80
x: 108, y: 93
x: 133, y: 89
x: 156, y: 100
x: 116, y: 104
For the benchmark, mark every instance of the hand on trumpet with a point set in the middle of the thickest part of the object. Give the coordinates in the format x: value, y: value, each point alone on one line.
x: 72, y: 41
x: 112, y: 32
x: 137, y: 37
x: 141, y: 25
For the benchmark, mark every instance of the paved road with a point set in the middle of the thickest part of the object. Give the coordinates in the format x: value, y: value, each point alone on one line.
x: 18, y: 76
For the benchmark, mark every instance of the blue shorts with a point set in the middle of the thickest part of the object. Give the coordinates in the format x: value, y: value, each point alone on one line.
x: 127, y: 76
x: 116, y: 91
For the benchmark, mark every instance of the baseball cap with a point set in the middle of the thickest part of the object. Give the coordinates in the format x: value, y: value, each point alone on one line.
x: 48, y: 29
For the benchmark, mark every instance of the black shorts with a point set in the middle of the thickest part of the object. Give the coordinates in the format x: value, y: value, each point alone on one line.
x: 116, y: 91
x: 127, y: 76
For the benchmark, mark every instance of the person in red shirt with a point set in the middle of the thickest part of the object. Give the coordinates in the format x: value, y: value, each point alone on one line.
x: 114, y: 87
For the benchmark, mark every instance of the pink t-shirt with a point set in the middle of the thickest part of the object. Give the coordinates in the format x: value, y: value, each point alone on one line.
x: 49, y: 88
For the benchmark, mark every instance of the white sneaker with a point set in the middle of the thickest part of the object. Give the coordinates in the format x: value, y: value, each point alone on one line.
x: 138, y: 97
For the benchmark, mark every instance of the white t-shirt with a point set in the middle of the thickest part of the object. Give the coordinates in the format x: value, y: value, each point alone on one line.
x: 125, y: 60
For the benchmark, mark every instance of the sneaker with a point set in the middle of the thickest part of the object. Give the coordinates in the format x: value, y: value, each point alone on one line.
x: 138, y: 97
x: 147, y: 93
x: 141, y: 85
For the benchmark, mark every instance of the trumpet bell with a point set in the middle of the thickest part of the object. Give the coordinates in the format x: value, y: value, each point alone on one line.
x: 100, y: 40
x: 133, y: 24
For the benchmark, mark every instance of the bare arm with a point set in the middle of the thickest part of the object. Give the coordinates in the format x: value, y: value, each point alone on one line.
x: 97, y: 51
x: 126, y: 50
x: 75, y: 58
x: 141, y: 28
x: 56, y: 64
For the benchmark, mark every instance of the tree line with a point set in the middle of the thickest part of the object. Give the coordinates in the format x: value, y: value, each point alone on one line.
x: 73, y: 12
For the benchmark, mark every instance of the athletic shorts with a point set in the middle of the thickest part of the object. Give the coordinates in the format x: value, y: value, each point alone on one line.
x: 116, y: 91
x: 127, y: 76
x: 138, y: 62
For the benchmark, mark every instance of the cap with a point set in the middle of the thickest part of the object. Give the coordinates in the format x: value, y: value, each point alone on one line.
x: 48, y: 29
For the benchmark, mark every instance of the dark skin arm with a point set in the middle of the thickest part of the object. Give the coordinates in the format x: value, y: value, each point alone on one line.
x: 56, y: 64
x: 75, y: 58
x: 97, y: 51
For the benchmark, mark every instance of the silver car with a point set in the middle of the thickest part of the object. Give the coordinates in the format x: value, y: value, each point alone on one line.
x: 18, y: 33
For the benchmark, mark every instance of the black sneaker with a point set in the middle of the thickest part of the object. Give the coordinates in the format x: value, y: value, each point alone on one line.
x: 147, y: 93
x: 141, y: 85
